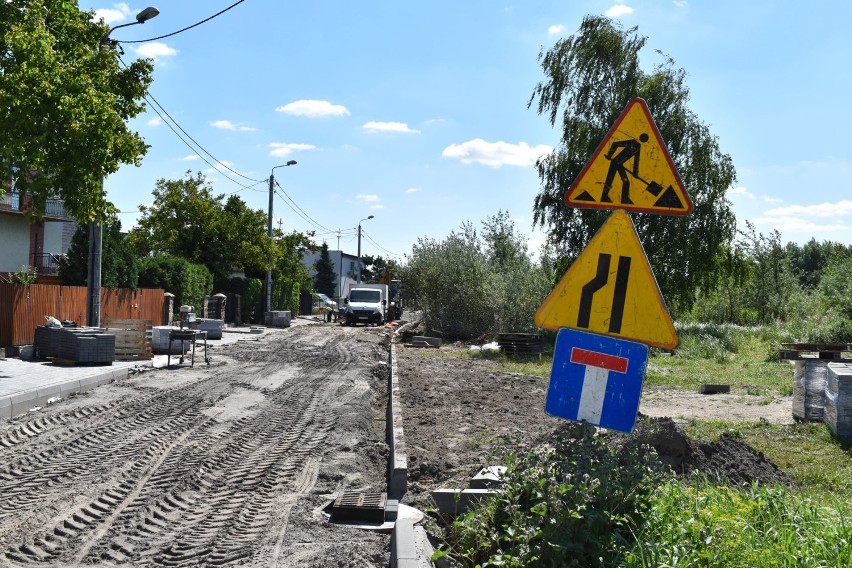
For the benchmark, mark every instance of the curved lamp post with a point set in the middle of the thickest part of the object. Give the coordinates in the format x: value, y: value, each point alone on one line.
x: 359, y: 246
x: 269, y: 232
x: 93, y: 280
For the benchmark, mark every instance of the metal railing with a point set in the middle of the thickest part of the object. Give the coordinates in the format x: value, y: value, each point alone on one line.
x: 53, y: 207
x: 47, y: 263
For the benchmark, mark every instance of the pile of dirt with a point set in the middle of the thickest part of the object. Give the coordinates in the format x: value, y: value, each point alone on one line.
x: 727, y: 460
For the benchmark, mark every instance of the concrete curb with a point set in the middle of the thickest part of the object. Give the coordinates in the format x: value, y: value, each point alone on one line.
x: 410, y: 547
x: 398, y: 474
x: 22, y: 401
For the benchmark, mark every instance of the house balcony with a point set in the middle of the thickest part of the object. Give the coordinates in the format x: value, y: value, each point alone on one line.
x: 47, y: 264
x: 12, y: 202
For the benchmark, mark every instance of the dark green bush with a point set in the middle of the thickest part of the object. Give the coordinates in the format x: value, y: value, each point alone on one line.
x: 572, y: 502
x: 187, y: 281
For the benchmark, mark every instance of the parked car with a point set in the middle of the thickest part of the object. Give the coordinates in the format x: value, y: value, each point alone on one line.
x: 323, y: 305
x: 327, y: 302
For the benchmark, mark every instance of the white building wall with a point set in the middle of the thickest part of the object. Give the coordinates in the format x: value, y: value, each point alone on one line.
x: 14, y: 242
x: 349, y: 266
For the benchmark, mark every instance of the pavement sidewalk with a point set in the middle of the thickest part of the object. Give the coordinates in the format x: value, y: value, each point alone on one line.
x: 25, y: 385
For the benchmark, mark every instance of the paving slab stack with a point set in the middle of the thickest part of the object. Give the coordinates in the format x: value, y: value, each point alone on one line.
x: 809, y: 380
x: 281, y: 318
x: 160, y: 341
x: 212, y: 326
x: 86, y: 345
x: 838, y: 400
x: 46, y: 341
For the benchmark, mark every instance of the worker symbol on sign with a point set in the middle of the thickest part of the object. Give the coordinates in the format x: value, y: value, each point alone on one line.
x: 619, y: 153
x: 631, y: 152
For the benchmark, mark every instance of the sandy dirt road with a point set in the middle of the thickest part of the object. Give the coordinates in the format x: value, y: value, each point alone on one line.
x: 222, y: 465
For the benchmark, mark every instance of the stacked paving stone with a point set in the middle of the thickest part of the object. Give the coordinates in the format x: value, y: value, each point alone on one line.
x: 809, y: 380
x: 838, y: 400
x: 160, y: 341
x: 213, y: 327
x: 281, y: 318
x: 86, y: 345
x: 46, y: 341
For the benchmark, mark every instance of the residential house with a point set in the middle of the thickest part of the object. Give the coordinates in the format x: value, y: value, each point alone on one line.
x: 27, y: 243
x: 345, y: 266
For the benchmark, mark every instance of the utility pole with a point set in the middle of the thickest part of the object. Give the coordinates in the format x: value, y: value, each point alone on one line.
x: 268, y: 303
x: 269, y: 234
x: 340, y: 270
x: 93, y: 276
x: 359, y: 247
x: 93, y: 279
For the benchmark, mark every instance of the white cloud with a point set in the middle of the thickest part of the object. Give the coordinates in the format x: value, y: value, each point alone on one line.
x: 413, y: 190
x: 223, y: 124
x: 840, y: 208
x: 223, y: 166
x: 555, y: 29
x: 799, y: 225
x: 191, y: 158
x: 283, y: 149
x: 155, y: 50
x: 681, y: 3
x: 619, y: 10
x: 742, y: 190
x: 228, y: 125
x: 495, y: 154
x: 368, y: 198
x: 156, y: 121
x: 313, y: 108
x: 374, y: 127
x: 118, y: 13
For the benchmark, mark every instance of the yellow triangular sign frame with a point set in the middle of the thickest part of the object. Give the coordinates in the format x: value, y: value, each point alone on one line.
x: 610, y: 289
x: 631, y: 169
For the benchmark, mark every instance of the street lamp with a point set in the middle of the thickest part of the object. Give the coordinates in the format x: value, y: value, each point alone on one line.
x: 142, y: 17
x: 93, y: 280
x: 269, y: 232
x: 359, y: 247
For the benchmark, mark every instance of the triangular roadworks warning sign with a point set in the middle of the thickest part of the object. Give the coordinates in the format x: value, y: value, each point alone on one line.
x: 610, y: 289
x: 631, y: 169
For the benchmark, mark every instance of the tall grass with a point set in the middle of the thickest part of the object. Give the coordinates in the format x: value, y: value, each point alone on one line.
x: 701, y: 524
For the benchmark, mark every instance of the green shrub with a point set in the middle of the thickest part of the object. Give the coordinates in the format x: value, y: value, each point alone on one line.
x: 252, y: 301
x: 187, y: 281
x: 575, y: 502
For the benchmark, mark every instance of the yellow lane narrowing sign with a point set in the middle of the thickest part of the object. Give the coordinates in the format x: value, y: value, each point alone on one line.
x: 610, y: 289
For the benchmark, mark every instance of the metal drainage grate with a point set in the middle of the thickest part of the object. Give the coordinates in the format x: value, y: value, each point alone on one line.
x: 359, y: 507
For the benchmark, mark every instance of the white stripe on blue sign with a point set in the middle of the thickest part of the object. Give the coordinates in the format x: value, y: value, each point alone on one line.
x: 592, y: 395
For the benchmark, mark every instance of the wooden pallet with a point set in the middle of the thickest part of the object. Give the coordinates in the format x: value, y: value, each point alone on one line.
x: 796, y: 351
x: 520, y: 343
x: 132, y: 341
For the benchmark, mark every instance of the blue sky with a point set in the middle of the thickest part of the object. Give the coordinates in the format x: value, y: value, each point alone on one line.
x: 415, y: 112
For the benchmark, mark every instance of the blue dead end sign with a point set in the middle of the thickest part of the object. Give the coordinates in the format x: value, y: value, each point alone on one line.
x: 596, y: 379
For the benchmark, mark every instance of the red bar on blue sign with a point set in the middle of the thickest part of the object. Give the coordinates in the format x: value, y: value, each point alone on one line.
x: 599, y: 360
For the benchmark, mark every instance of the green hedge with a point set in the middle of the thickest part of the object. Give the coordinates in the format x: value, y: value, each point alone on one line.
x: 189, y: 282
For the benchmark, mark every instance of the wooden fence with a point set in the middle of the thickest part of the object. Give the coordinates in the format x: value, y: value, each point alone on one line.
x: 22, y: 308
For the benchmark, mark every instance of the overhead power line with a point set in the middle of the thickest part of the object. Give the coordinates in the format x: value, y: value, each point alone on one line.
x: 186, y: 28
x: 204, y: 150
x: 299, y: 211
x: 378, y: 246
